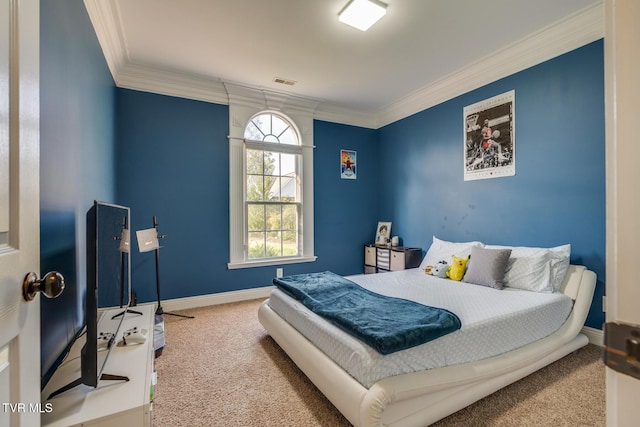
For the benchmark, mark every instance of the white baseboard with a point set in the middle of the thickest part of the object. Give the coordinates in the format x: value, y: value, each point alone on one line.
x: 215, y: 299
x: 596, y: 336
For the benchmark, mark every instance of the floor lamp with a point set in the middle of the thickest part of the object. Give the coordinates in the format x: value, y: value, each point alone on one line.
x: 148, y: 240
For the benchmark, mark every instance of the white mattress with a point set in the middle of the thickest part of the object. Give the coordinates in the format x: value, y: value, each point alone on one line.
x: 493, y: 322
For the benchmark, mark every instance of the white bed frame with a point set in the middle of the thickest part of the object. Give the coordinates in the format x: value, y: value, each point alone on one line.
x: 424, y: 397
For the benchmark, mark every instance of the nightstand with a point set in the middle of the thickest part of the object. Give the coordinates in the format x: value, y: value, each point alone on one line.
x: 382, y: 258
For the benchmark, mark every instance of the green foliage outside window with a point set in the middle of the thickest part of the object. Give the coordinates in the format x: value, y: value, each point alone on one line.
x: 271, y: 192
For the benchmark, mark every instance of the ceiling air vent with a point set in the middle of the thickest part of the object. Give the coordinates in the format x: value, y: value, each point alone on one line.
x: 284, y: 81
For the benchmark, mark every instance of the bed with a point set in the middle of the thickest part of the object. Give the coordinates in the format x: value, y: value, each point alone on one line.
x: 422, y: 384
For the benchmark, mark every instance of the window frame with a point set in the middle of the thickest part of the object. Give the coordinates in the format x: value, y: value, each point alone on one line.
x: 239, y: 118
x: 266, y: 145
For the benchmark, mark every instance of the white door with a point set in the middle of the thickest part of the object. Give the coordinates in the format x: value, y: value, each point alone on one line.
x: 622, y: 62
x: 19, y: 211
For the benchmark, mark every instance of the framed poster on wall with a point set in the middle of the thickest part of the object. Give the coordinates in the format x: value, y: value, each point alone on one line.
x: 489, y: 138
x: 348, y: 164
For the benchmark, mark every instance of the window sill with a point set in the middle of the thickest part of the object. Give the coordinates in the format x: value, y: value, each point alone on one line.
x: 265, y: 263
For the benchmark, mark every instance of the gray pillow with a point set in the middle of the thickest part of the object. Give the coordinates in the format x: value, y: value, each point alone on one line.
x: 487, y: 267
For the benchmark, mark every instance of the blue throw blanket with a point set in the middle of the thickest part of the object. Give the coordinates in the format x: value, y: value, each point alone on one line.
x: 387, y: 324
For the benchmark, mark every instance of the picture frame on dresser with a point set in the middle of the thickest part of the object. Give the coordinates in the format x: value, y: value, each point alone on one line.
x: 383, y: 233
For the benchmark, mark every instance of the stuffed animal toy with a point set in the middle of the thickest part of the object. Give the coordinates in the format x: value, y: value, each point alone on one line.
x: 456, y: 271
x: 440, y: 269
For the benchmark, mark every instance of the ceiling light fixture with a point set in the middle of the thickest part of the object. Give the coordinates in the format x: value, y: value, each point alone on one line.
x: 362, y: 14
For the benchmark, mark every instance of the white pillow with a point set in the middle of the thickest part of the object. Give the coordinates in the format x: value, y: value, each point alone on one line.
x: 441, y: 250
x: 536, y: 269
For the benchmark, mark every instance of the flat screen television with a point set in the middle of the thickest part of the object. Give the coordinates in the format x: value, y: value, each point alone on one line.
x: 108, y: 285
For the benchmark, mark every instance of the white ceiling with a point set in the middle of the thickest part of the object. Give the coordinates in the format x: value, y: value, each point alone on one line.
x: 421, y: 51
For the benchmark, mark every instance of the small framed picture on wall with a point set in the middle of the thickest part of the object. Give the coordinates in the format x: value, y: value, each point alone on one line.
x: 348, y: 164
x: 383, y: 233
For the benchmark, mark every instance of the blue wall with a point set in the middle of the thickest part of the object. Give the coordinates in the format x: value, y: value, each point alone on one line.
x: 77, y: 157
x: 345, y: 210
x: 558, y: 193
x: 173, y: 162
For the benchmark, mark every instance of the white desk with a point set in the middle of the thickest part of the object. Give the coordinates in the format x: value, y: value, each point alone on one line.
x: 112, y: 403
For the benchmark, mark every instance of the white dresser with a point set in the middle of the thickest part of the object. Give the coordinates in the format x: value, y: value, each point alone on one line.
x: 112, y: 403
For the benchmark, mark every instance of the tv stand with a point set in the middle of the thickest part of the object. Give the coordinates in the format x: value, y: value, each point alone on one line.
x: 103, y: 377
x: 111, y: 403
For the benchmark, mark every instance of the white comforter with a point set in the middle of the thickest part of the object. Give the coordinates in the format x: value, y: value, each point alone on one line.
x: 493, y: 322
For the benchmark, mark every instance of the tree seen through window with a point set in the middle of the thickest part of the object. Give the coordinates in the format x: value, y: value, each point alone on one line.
x: 273, y: 208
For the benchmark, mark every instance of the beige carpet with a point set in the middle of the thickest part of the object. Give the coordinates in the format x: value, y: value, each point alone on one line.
x: 222, y: 369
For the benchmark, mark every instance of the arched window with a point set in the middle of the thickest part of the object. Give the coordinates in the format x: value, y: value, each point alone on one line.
x: 273, y: 190
x: 270, y: 179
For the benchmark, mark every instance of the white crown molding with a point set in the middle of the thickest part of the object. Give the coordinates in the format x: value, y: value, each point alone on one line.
x: 336, y: 114
x: 171, y: 83
x: 251, y: 97
x: 577, y: 30
x: 105, y: 18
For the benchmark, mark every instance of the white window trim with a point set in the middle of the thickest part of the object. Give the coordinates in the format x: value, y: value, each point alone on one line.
x: 239, y: 115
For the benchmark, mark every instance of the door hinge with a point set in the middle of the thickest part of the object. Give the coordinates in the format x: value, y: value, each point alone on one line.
x: 622, y: 348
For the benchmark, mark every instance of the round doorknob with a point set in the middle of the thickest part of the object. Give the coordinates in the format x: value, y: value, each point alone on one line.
x: 51, y: 285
